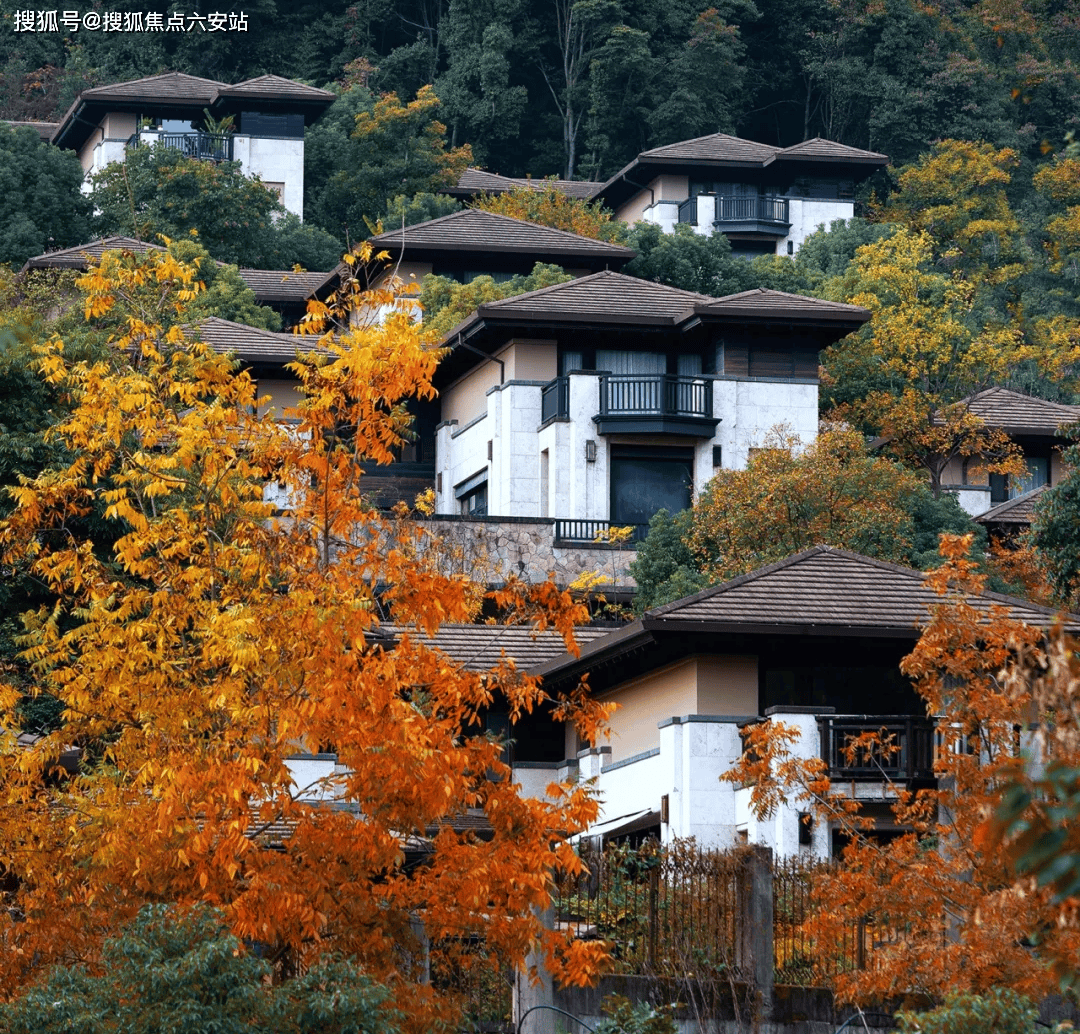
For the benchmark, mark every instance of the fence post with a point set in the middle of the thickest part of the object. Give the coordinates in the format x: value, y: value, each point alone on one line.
x: 755, y: 937
x: 527, y: 995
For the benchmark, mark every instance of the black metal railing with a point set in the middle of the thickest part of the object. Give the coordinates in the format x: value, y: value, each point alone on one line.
x: 655, y: 395
x: 215, y: 147
x: 751, y: 209
x: 688, y: 211
x: 555, y: 400
x: 578, y: 532
x: 901, y: 747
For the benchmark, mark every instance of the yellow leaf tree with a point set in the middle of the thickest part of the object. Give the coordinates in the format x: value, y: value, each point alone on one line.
x: 925, y: 351
x: 220, y: 637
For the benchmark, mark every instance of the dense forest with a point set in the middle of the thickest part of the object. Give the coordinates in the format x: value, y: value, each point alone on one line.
x: 579, y: 88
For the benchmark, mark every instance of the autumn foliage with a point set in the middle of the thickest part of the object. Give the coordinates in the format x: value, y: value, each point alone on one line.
x: 543, y: 202
x: 941, y: 907
x: 222, y: 636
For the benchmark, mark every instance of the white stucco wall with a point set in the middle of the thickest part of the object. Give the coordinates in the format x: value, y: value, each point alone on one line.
x: 750, y: 408
x: 973, y: 499
x: 274, y: 160
x: 807, y: 215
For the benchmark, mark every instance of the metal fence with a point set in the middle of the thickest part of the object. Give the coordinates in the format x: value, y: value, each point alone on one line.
x: 670, y: 911
x: 664, y: 911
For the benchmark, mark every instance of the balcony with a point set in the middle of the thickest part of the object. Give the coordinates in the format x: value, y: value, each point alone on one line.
x: 555, y: 400
x: 752, y: 214
x: 655, y: 404
x: 906, y: 754
x: 579, y: 533
x: 211, y: 147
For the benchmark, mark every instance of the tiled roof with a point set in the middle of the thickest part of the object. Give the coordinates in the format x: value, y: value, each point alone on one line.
x: 276, y: 87
x: 476, y: 230
x: 1020, y: 414
x: 819, y: 149
x: 822, y: 591
x: 716, y: 147
x: 608, y: 297
x: 170, y: 86
x: 478, y: 181
x: 281, y: 285
x: 825, y: 587
x: 44, y: 130
x: 763, y: 302
x: 76, y: 257
x: 250, y: 343
x: 479, y: 647
x: 1020, y: 510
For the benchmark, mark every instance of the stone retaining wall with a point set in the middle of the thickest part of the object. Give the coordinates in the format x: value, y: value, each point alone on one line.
x: 493, y: 548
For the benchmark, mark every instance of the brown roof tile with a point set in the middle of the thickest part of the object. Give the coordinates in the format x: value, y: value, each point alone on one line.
x: 476, y: 230
x: 281, y: 285
x: 764, y: 302
x: 479, y: 647
x: 605, y: 297
x: 250, y: 343
x: 479, y: 181
x: 276, y: 87
x: 1021, y: 414
x: 820, y: 149
x: 44, y: 130
x: 716, y: 147
x: 176, y: 87
x: 825, y: 587
x: 1020, y: 510
x: 76, y: 257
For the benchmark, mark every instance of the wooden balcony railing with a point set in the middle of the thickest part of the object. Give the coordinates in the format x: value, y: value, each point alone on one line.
x: 555, y: 400
x: 904, y: 751
x: 574, y: 532
x: 632, y: 394
x: 752, y: 208
x: 213, y: 147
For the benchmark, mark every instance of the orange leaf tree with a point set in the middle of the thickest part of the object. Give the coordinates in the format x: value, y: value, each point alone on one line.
x: 940, y: 907
x: 220, y: 637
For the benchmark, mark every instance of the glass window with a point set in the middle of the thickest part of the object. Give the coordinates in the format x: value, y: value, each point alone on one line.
x: 1038, y: 474
x: 630, y: 362
x: 474, y: 502
x: 645, y: 480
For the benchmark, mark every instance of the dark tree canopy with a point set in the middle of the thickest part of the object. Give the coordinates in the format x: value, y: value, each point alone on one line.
x: 160, y: 192
x: 41, y: 207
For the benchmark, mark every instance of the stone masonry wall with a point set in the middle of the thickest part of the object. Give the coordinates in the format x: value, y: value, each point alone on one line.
x: 493, y: 548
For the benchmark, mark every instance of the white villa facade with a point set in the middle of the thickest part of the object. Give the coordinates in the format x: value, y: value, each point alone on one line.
x: 764, y: 199
x: 599, y: 401
x: 267, y: 136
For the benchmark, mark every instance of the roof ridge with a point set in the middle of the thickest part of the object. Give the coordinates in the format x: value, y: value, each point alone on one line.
x: 593, y: 277
x: 242, y: 326
x: 481, y: 213
x: 711, y: 136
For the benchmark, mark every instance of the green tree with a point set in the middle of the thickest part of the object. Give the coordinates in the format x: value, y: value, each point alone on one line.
x: 419, y: 208
x: 41, y: 203
x: 1055, y: 531
x: 487, y: 42
x: 171, y: 970
x: 446, y: 303
x: 1000, y: 1011
x: 790, y: 498
x: 226, y: 295
x: 390, y: 149
x: 158, y: 191
x: 664, y: 567
x: 688, y: 260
